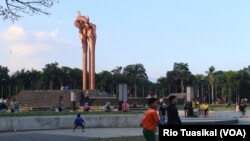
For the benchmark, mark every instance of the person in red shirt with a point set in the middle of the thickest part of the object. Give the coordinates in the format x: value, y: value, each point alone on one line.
x: 150, y: 120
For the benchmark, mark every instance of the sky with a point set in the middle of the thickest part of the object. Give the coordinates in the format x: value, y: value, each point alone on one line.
x: 155, y: 33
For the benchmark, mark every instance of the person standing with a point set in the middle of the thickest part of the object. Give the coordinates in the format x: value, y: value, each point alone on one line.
x: 79, y: 122
x: 172, y: 112
x: 242, y: 108
x: 150, y: 120
x: 162, y: 113
x: 205, y: 108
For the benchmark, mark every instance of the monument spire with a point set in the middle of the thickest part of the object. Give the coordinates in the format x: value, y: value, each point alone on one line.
x: 87, y: 33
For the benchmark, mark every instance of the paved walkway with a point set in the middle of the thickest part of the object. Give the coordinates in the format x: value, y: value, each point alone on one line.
x: 78, y: 135
x: 69, y: 135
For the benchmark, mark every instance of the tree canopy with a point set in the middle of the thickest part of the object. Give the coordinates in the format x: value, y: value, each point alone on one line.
x: 15, y: 9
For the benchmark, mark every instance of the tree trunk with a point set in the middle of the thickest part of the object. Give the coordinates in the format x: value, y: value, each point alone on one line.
x: 212, y: 93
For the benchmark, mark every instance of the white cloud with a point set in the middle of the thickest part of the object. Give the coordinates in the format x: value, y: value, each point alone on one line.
x: 21, y: 50
x: 42, y: 35
x: 14, y: 33
x: 30, y: 49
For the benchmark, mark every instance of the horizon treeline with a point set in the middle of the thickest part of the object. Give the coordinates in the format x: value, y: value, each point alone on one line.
x: 229, y: 86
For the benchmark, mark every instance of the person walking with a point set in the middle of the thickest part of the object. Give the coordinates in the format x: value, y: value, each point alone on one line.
x: 172, y: 112
x: 150, y: 120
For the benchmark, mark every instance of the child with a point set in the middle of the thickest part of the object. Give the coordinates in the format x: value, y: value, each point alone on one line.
x: 79, y: 122
x: 150, y: 120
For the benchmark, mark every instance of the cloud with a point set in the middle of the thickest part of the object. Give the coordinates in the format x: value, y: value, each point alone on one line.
x: 22, y: 49
x: 14, y: 33
x: 42, y: 35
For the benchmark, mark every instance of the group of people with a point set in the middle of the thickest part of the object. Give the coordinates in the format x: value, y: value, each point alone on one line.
x: 196, y: 108
x: 241, y: 107
x: 168, y: 115
x: 5, y: 105
x: 124, y: 108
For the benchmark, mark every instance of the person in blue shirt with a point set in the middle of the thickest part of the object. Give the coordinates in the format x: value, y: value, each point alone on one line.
x: 79, y: 122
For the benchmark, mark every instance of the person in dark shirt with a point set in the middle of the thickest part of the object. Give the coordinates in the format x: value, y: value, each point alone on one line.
x: 172, y: 112
x: 79, y: 122
x: 162, y: 112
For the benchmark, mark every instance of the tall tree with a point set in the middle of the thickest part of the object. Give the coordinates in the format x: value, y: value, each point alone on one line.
x: 105, y: 80
x: 52, y: 76
x: 15, y: 9
x: 197, y: 83
x: 117, y: 78
x: 4, y: 74
x: 229, y: 75
x: 162, y: 83
x: 4, y: 78
x: 135, y: 72
x: 172, y: 81
x: 75, y: 78
x: 211, y: 79
x: 182, y: 72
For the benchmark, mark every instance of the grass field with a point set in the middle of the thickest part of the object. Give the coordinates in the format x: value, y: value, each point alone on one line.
x: 224, y: 107
x: 221, y: 107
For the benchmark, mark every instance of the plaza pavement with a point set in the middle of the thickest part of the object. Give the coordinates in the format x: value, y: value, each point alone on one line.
x: 78, y: 135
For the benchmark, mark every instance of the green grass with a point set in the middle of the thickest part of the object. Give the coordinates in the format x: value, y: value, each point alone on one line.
x: 224, y: 107
x: 133, y: 138
x: 53, y: 113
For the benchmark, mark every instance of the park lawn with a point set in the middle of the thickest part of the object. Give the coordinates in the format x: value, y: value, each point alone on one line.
x: 224, y: 107
x: 133, y: 138
x: 212, y: 107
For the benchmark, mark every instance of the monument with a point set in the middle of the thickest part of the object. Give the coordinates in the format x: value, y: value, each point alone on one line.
x: 87, y: 33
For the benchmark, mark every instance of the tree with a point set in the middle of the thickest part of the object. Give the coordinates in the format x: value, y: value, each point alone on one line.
x: 197, y: 83
x: 182, y: 72
x: 135, y: 72
x: 219, y: 84
x: 3, y: 73
x: 4, y: 77
x: 211, y: 79
x: 15, y: 9
x: 162, y: 83
x: 20, y: 80
x: 52, y: 76
x: 117, y: 78
x: 229, y: 76
x: 75, y: 78
x: 105, y: 80
x: 172, y: 81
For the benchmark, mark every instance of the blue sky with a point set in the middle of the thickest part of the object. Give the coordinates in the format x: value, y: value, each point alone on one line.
x: 155, y: 33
